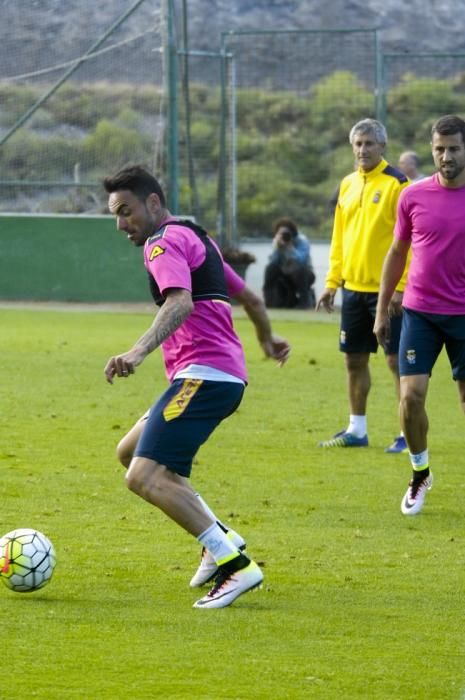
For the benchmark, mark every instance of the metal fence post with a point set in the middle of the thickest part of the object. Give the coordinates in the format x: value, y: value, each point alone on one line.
x: 172, y: 116
x: 233, y: 152
x: 221, y: 196
x: 380, y: 97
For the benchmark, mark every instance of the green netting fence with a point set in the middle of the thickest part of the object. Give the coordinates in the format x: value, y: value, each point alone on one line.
x: 295, y: 96
x: 76, y: 107
x: 418, y: 88
x: 238, y: 136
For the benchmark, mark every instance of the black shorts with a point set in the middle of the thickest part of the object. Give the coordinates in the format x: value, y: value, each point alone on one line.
x: 357, y: 320
x: 422, y: 339
x: 183, y: 418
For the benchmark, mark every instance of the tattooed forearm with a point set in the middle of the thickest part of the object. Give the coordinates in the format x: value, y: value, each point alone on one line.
x: 173, y: 313
x: 177, y: 307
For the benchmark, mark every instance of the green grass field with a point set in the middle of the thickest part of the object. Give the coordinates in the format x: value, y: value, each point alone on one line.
x: 358, y: 601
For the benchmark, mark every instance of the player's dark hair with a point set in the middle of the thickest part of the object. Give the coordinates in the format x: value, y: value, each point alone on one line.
x: 285, y: 223
x: 137, y: 180
x: 448, y: 125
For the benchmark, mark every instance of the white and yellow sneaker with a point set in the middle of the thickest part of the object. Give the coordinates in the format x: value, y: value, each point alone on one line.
x: 232, y: 580
x: 208, y: 567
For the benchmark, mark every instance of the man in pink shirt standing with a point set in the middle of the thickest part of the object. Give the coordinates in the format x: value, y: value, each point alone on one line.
x: 430, y: 219
x: 205, y: 366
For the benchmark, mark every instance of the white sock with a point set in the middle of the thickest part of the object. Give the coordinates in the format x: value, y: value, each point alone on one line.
x: 357, y: 425
x: 419, y: 461
x: 218, y: 544
x: 209, y: 512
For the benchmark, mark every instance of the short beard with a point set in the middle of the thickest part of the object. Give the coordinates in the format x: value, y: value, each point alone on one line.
x: 455, y: 173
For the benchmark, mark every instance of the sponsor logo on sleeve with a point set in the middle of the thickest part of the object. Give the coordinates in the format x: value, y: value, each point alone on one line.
x: 155, y: 252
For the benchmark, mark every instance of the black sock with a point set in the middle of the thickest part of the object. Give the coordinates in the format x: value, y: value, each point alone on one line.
x: 419, y: 475
x: 239, y: 562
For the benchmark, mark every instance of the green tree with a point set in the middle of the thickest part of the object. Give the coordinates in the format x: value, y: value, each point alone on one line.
x: 415, y: 103
x: 336, y: 103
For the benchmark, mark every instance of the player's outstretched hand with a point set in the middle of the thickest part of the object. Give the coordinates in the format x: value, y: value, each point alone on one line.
x: 123, y: 365
x: 326, y: 300
x: 277, y: 348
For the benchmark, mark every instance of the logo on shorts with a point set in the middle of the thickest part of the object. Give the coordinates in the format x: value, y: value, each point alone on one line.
x: 180, y: 402
x: 411, y: 357
x: 377, y: 196
x: 342, y: 337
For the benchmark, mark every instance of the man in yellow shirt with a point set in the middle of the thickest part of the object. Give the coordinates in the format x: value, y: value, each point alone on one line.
x: 362, y: 234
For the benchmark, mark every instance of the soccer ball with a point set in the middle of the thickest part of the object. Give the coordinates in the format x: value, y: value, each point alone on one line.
x: 27, y: 560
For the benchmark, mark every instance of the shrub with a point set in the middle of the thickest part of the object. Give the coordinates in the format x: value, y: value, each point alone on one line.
x: 110, y: 146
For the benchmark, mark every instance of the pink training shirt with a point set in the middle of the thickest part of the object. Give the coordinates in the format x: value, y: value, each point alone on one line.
x: 432, y: 217
x: 207, y: 336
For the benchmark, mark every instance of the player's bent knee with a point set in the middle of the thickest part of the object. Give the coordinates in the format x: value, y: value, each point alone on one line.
x: 124, y: 453
x: 145, y: 476
x: 127, y: 445
x: 136, y: 474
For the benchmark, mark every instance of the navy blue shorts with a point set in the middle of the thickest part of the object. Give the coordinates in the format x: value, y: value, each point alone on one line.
x: 422, y: 339
x: 183, y: 418
x: 357, y: 320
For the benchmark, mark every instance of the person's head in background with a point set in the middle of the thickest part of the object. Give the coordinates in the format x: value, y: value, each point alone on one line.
x: 409, y: 163
x: 285, y: 230
x: 368, y: 139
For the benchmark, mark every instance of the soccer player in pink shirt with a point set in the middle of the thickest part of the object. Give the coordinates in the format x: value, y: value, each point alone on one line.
x: 430, y: 220
x: 205, y: 366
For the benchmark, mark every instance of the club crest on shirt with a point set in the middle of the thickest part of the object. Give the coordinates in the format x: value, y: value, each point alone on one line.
x: 156, y: 251
x: 376, y: 196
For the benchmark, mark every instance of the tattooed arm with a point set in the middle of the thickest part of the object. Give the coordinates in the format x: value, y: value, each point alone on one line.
x: 176, y: 308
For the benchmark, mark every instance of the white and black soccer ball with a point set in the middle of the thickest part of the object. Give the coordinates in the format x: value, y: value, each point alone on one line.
x: 27, y: 560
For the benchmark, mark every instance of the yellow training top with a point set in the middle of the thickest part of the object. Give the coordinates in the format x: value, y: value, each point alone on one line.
x: 363, y: 228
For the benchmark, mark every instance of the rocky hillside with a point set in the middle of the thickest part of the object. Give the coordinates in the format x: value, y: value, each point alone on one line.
x: 419, y: 25
x: 40, y: 33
